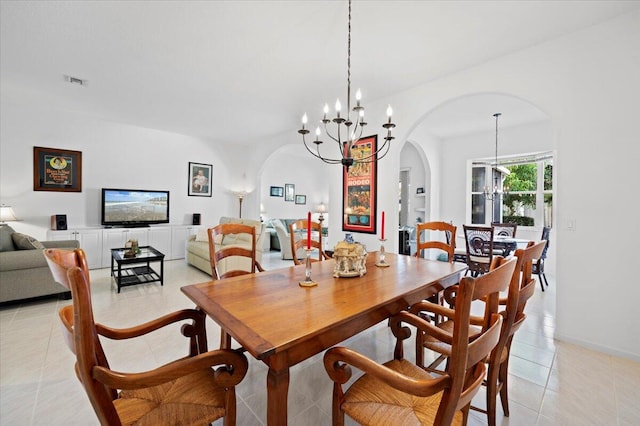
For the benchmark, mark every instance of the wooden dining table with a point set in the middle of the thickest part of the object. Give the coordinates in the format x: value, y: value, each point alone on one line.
x: 281, y: 323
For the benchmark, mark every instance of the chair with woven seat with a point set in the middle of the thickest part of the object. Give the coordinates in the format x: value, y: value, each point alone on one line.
x: 442, y: 237
x: 521, y: 288
x: 233, y: 259
x: 399, y: 392
x: 298, y: 238
x: 185, y: 391
x: 479, y: 244
x: 538, y: 264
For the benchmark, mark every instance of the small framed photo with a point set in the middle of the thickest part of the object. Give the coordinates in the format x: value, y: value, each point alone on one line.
x: 289, y: 191
x: 57, y: 170
x: 301, y: 199
x: 277, y: 191
x: 420, y: 191
x: 200, y: 179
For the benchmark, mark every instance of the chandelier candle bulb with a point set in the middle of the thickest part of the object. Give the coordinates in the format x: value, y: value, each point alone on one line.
x: 326, y: 111
x: 358, y: 97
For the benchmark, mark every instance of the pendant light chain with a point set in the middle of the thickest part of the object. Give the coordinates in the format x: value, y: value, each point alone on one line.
x: 349, y: 64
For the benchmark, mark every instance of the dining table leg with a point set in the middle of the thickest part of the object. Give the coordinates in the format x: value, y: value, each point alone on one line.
x: 277, y: 390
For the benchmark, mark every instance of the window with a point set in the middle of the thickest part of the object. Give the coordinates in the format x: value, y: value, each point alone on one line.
x: 525, y: 190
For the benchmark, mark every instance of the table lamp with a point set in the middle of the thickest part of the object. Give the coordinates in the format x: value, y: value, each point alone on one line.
x: 7, y: 215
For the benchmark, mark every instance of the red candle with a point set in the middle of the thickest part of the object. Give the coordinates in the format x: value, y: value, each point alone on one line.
x: 383, y: 225
x: 309, y: 231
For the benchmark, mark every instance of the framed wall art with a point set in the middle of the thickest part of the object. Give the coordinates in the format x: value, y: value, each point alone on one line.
x: 301, y: 199
x: 289, y: 192
x: 359, y: 189
x: 200, y: 179
x: 277, y: 191
x: 57, y: 170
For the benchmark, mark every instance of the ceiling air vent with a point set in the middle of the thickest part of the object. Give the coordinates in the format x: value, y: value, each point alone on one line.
x: 75, y: 80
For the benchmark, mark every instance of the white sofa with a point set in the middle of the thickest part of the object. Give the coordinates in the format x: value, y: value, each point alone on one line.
x: 198, y: 246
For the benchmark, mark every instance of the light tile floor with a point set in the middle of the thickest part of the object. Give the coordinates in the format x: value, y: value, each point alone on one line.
x: 551, y: 383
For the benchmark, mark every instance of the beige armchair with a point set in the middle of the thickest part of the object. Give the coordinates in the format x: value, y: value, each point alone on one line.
x: 283, y: 239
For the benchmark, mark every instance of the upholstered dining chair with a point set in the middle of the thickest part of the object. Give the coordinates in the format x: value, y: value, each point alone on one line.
x: 185, y: 391
x: 504, y: 229
x: 239, y: 259
x: 298, y: 237
x: 479, y: 244
x: 507, y: 230
x: 538, y: 264
x: 399, y: 392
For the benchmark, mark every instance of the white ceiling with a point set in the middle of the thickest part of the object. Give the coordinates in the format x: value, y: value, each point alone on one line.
x: 237, y: 71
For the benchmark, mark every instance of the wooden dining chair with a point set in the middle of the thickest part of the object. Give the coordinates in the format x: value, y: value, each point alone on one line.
x: 442, y: 238
x: 538, y: 264
x: 298, y: 237
x: 185, y: 391
x: 521, y: 288
x: 234, y: 259
x: 479, y: 244
x: 399, y: 392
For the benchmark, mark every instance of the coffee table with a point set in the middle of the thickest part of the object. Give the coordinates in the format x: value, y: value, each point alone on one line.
x: 136, y: 270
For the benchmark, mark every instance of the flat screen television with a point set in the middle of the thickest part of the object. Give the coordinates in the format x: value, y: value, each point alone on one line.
x: 134, y: 207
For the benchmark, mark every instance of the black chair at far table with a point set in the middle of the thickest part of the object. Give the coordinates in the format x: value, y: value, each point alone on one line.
x: 479, y: 243
x: 538, y: 264
x: 503, y: 230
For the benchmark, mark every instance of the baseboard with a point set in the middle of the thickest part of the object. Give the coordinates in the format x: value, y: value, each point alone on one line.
x: 599, y: 348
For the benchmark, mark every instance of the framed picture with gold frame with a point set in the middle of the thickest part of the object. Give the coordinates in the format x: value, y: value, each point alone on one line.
x: 360, y: 189
x: 57, y: 170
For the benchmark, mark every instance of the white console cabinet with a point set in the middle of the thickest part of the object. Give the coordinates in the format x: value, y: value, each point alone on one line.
x: 90, y: 240
x: 98, y: 242
x: 179, y: 235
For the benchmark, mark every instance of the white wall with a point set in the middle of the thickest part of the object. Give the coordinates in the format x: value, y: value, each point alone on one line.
x: 587, y: 83
x: 291, y: 164
x: 411, y: 159
x: 113, y: 155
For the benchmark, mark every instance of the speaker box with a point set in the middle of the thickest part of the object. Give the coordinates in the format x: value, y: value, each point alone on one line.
x: 59, y: 222
x: 196, y: 219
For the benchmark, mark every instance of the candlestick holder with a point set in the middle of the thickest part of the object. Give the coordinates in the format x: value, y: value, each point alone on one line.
x: 382, y: 262
x: 307, y: 282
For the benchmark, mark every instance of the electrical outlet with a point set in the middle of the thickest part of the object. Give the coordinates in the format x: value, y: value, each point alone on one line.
x: 571, y: 225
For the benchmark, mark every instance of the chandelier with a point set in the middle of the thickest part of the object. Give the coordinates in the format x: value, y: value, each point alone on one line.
x: 341, y: 131
x: 495, y: 192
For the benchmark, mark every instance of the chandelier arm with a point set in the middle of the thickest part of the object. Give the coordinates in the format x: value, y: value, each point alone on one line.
x: 326, y: 160
x: 326, y: 130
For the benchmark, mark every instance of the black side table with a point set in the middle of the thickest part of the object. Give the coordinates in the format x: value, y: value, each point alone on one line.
x: 136, y: 270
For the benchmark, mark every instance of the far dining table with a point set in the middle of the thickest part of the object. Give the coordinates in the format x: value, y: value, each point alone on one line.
x: 508, y: 244
x: 282, y: 324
